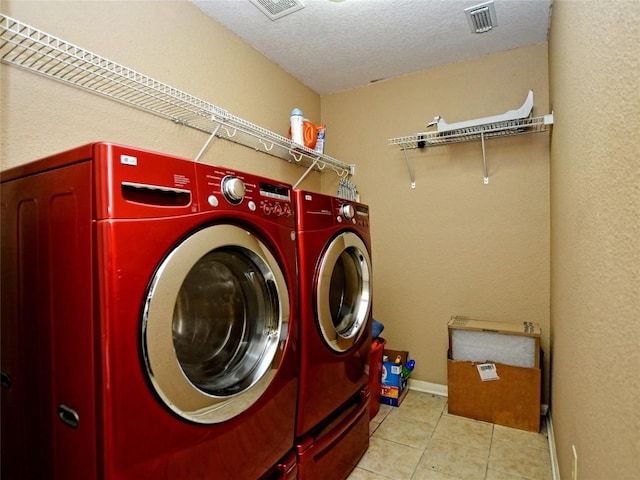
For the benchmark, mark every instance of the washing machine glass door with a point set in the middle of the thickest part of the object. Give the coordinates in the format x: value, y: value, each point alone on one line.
x: 215, y: 323
x: 343, y: 291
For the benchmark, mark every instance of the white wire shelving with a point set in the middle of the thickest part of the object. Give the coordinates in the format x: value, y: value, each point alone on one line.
x: 472, y: 133
x: 31, y: 49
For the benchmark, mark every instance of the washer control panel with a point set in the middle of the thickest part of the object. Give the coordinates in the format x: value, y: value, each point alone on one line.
x: 276, y: 200
x: 276, y: 208
x: 223, y: 189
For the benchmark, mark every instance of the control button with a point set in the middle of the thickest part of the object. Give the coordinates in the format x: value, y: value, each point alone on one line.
x: 252, y: 205
x: 213, y: 200
x: 339, y: 218
x: 348, y: 211
x: 277, y: 209
x: 267, y: 208
x: 287, y: 210
x: 233, y: 189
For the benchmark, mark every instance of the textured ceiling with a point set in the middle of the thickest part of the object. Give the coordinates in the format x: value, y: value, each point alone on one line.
x: 332, y: 46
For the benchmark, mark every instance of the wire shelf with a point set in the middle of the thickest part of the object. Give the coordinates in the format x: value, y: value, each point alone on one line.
x: 492, y: 130
x: 482, y: 132
x: 34, y: 50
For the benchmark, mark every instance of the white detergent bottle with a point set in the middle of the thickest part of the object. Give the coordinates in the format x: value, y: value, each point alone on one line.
x: 297, y: 132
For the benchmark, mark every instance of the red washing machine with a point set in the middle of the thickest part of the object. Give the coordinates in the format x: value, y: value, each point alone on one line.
x: 334, y: 261
x: 149, y: 323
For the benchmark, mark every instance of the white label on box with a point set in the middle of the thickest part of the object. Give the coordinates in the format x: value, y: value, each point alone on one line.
x: 488, y: 371
x: 396, y: 369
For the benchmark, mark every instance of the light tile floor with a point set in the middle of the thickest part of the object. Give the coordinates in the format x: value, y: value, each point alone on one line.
x: 419, y: 440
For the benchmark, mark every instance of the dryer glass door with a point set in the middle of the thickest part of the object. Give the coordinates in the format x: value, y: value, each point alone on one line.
x: 343, y: 291
x: 215, y: 324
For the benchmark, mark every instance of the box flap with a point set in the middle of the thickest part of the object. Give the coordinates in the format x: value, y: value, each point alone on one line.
x: 530, y: 329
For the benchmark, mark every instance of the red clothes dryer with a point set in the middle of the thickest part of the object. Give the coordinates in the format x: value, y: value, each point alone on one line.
x: 334, y: 261
x: 148, y: 319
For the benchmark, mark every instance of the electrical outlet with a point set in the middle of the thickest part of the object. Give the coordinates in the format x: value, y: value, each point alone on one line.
x: 574, y: 465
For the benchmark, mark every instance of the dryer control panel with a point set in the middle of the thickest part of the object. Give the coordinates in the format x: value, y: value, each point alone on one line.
x: 352, y: 213
x: 362, y: 215
x: 317, y: 211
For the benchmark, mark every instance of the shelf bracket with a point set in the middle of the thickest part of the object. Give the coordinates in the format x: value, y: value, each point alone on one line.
x: 207, y: 143
x: 484, y: 160
x: 307, y: 171
x: 406, y: 158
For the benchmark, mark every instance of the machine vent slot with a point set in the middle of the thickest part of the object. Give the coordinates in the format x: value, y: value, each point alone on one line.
x: 155, y: 195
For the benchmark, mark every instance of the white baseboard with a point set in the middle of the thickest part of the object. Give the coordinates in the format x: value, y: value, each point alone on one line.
x: 428, y: 387
x: 555, y: 469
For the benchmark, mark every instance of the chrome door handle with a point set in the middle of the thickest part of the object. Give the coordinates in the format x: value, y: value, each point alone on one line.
x: 68, y: 416
x: 5, y: 380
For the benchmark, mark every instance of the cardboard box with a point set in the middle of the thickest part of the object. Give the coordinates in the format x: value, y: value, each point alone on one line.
x: 393, y: 386
x: 513, y: 400
x: 510, y: 343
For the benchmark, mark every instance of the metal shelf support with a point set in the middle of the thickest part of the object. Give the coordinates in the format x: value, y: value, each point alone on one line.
x: 207, y: 143
x: 484, y: 160
x: 411, y: 175
x: 34, y: 50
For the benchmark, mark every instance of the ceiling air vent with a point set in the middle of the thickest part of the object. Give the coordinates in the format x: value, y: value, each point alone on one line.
x: 481, y: 18
x: 275, y: 9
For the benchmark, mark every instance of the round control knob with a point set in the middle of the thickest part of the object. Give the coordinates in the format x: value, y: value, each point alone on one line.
x: 233, y: 189
x: 347, y: 211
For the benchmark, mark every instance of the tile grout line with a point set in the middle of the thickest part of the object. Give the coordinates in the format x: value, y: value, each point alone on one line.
x: 486, y: 469
x: 424, y: 451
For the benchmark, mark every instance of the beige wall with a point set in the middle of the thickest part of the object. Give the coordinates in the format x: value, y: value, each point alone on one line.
x: 170, y: 41
x: 452, y: 245
x: 595, y: 237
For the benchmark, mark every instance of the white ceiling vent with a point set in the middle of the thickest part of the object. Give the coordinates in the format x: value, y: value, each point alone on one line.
x: 275, y: 9
x: 481, y: 18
